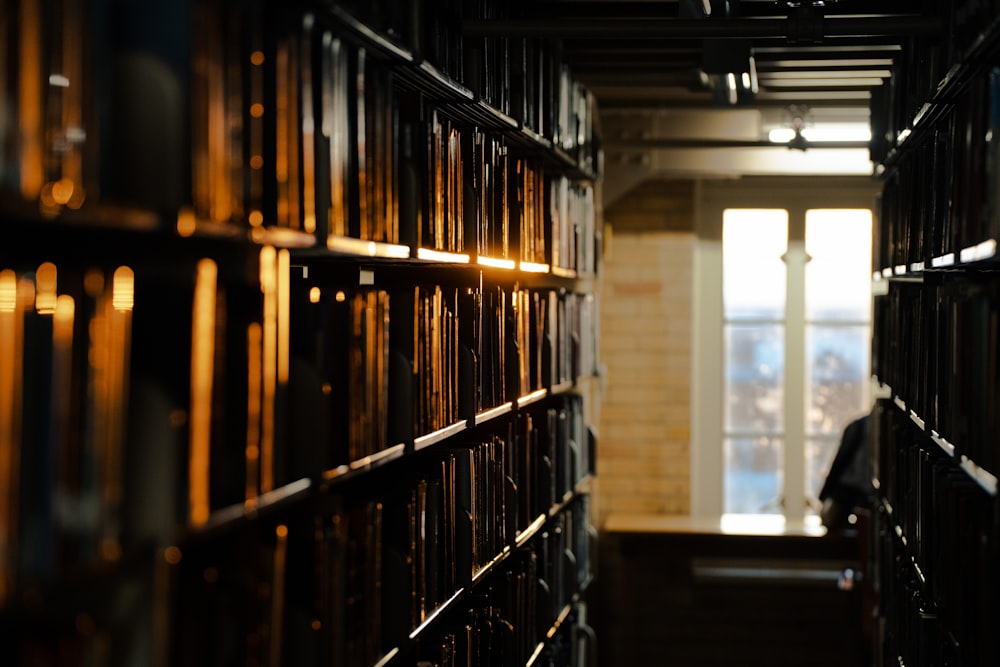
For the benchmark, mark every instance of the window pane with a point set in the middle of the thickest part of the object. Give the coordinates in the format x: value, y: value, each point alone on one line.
x: 754, y: 365
x: 837, y: 377
x: 838, y: 277
x: 753, y: 275
x: 753, y: 478
x: 819, y: 456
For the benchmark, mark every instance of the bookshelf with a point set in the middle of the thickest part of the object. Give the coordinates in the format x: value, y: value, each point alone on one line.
x: 935, y: 459
x: 294, y: 351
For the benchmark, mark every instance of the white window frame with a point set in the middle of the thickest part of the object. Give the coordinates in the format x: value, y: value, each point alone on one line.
x: 795, y: 195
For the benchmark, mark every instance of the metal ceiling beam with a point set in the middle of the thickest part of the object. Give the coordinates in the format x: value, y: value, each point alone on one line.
x: 659, y: 142
x: 729, y: 28
x: 637, y: 104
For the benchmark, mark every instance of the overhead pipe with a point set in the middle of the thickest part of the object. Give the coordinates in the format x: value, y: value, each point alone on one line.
x: 730, y: 28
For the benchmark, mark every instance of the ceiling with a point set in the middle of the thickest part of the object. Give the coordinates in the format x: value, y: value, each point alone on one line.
x: 815, y: 62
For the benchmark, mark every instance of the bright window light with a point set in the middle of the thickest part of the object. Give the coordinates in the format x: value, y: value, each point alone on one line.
x: 824, y: 132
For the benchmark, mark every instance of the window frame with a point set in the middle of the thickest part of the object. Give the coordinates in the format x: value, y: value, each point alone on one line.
x: 796, y: 195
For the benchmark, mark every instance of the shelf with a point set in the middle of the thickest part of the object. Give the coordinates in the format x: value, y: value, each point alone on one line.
x: 442, y: 257
x: 973, y: 61
x: 492, y: 413
x: 978, y: 253
x: 985, y: 479
x: 437, y: 613
x: 966, y: 257
x: 365, y: 464
x: 533, y: 267
x: 562, y: 387
x: 281, y: 237
x: 496, y: 263
x: 425, y: 441
x: 564, y: 273
x: 563, y: 615
x: 235, y: 515
x: 452, y: 603
x: 370, y: 38
x: 533, y: 397
x: 456, y: 100
x: 346, y: 245
x: 281, y: 349
x: 133, y: 239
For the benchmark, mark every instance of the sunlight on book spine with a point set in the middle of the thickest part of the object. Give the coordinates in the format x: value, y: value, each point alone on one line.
x: 200, y: 422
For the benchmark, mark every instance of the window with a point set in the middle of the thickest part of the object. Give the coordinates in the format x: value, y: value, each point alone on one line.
x: 754, y: 242
x: 794, y: 365
x: 837, y: 333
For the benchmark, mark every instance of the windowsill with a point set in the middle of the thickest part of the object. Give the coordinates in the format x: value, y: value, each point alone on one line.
x: 730, y: 524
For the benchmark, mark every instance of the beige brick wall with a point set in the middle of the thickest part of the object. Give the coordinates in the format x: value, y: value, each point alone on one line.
x: 645, y: 432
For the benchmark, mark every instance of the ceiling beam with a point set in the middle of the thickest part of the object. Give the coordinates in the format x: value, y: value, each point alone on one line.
x: 729, y: 28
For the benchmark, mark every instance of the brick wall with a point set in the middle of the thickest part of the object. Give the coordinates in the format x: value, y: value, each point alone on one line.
x: 645, y: 431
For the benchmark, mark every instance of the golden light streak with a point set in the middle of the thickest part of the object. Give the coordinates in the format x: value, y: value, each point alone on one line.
x: 45, y: 289
x: 496, y: 263
x: 29, y: 97
x: 186, y: 222
x: 284, y: 314
x: 62, y: 191
x: 62, y: 376
x: 269, y: 287
x: 8, y: 291
x: 69, y: 192
x: 534, y: 267
x: 11, y: 333
x: 254, y: 379
x: 202, y: 359
x: 114, y: 351
x: 123, y: 289
x: 441, y: 256
x: 314, y: 295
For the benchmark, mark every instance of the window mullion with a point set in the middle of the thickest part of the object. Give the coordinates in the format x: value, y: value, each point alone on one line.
x: 794, y: 383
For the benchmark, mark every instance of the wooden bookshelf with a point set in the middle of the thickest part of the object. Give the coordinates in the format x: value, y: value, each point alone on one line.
x: 314, y: 400
x: 936, y: 537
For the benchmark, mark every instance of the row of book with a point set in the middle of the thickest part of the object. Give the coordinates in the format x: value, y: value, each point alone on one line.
x: 529, y: 609
x: 938, y: 539
x: 420, y: 359
x: 340, y: 590
x: 519, y: 76
x: 295, y: 120
x: 940, y: 199
x: 50, y: 104
x: 348, y: 153
x: 929, y: 68
x: 935, y: 347
x: 116, y: 422
x: 339, y: 578
x: 132, y: 403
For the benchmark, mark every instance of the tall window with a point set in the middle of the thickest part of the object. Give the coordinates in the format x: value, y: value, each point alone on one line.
x: 796, y: 329
x: 838, y: 333
x: 754, y: 242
